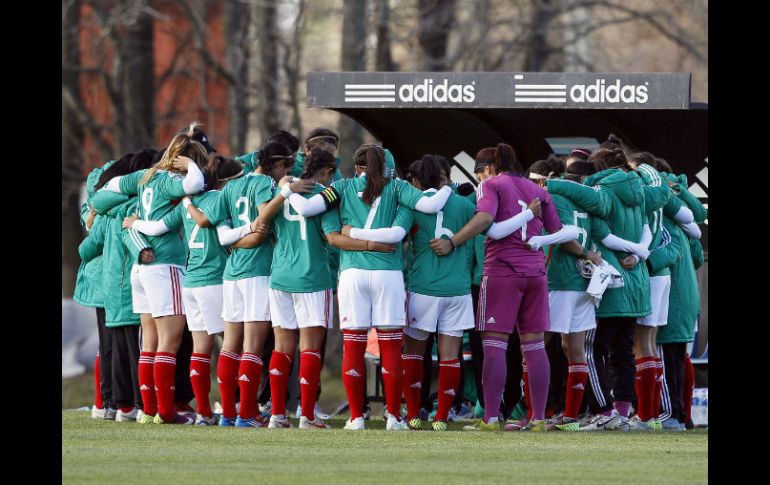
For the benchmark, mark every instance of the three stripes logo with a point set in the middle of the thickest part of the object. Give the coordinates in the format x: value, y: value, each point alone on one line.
x: 538, y: 93
x: 370, y: 93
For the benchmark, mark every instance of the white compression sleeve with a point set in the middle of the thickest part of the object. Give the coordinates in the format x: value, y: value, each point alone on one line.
x: 565, y: 234
x: 499, y: 230
x: 431, y: 205
x: 150, y: 228
x: 692, y: 230
x: 193, y: 181
x: 307, y: 207
x: 227, y: 235
x: 684, y: 216
x: 646, y: 237
x: 388, y: 235
x: 618, y: 244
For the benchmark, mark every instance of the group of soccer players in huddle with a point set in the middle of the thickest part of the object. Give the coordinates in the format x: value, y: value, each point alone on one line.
x: 257, y: 247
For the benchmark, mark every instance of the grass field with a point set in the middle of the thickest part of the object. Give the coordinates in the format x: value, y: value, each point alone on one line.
x: 118, y: 453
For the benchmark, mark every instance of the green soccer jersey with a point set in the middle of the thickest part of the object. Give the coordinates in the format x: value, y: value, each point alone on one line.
x: 356, y: 213
x: 239, y: 202
x: 429, y: 274
x: 562, y: 270
x: 157, y: 199
x: 207, y: 258
x: 301, y: 255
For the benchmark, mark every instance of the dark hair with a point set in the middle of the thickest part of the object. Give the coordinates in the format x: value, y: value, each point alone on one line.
x: 553, y: 167
x: 288, y: 139
x: 605, y: 158
x: 221, y: 169
x: 643, y: 157
x: 580, y: 153
x: 122, y: 166
x: 612, y: 142
x: 579, y: 169
x: 159, y: 155
x: 427, y: 171
x: 318, y: 159
x: 373, y: 158
x: 324, y: 134
x: 662, y: 165
x: 505, y: 159
x: 484, y: 157
x: 445, y: 165
x: 273, y: 152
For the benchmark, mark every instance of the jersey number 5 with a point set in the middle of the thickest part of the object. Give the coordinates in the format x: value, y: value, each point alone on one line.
x: 582, y: 234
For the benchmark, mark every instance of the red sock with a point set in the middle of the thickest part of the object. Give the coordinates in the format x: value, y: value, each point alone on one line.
x: 309, y: 380
x: 164, y: 370
x: 98, y: 403
x: 448, y: 382
x: 227, y: 377
x: 577, y: 378
x: 354, y: 347
x: 688, y: 387
x: 658, y: 387
x: 200, y: 378
x: 280, y: 368
x: 147, y: 383
x: 646, y: 370
x: 392, y: 371
x: 249, y: 374
x: 527, y: 394
x: 413, y: 375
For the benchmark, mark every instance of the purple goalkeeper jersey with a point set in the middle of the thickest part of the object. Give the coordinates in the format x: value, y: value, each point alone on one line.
x: 504, y: 196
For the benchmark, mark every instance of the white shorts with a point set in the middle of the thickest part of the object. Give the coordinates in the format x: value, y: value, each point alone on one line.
x: 157, y: 289
x: 660, y: 288
x: 450, y: 315
x: 571, y: 311
x: 371, y: 298
x: 246, y: 300
x: 203, y: 306
x: 302, y: 310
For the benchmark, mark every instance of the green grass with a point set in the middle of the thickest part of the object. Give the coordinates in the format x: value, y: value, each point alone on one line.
x: 118, y: 453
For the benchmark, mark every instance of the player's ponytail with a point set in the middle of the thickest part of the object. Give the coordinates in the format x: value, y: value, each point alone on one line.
x: 505, y: 159
x: 181, y: 145
x: 606, y: 158
x: 372, y: 159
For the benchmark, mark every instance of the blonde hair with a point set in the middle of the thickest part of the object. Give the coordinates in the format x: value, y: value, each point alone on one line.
x: 181, y: 144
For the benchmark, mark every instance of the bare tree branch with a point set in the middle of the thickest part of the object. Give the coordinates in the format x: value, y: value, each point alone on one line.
x: 200, y: 31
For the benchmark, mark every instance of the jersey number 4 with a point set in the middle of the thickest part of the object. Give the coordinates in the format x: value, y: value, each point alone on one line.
x: 295, y: 217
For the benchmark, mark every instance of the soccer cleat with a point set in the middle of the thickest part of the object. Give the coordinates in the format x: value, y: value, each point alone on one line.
x: 415, y: 423
x: 316, y: 412
x: 395, y: 424
x: 637, y: 424
x: 109, y: 414
x: 186, y: 410
x: 355, y: 424
x: 122, y: 417
x: 266, y: 409
x: 568, y: 424
x: 225, y: 422
x: 178, y: 419
x: 249, y: 423
x: 602, y: 422
x: 671, y: 424
x: 305, y: 423
x: 654, y: 424
x: 439, y: 426
x: 514, y: 425
x: 536, y: 426
x: 201, y: 420
x: 480, y: 425
x: 97, y: 413
x: 142, y: 418
x: 279, y: 421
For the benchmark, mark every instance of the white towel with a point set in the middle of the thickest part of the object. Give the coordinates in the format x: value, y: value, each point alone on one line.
x: 603, y: 276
